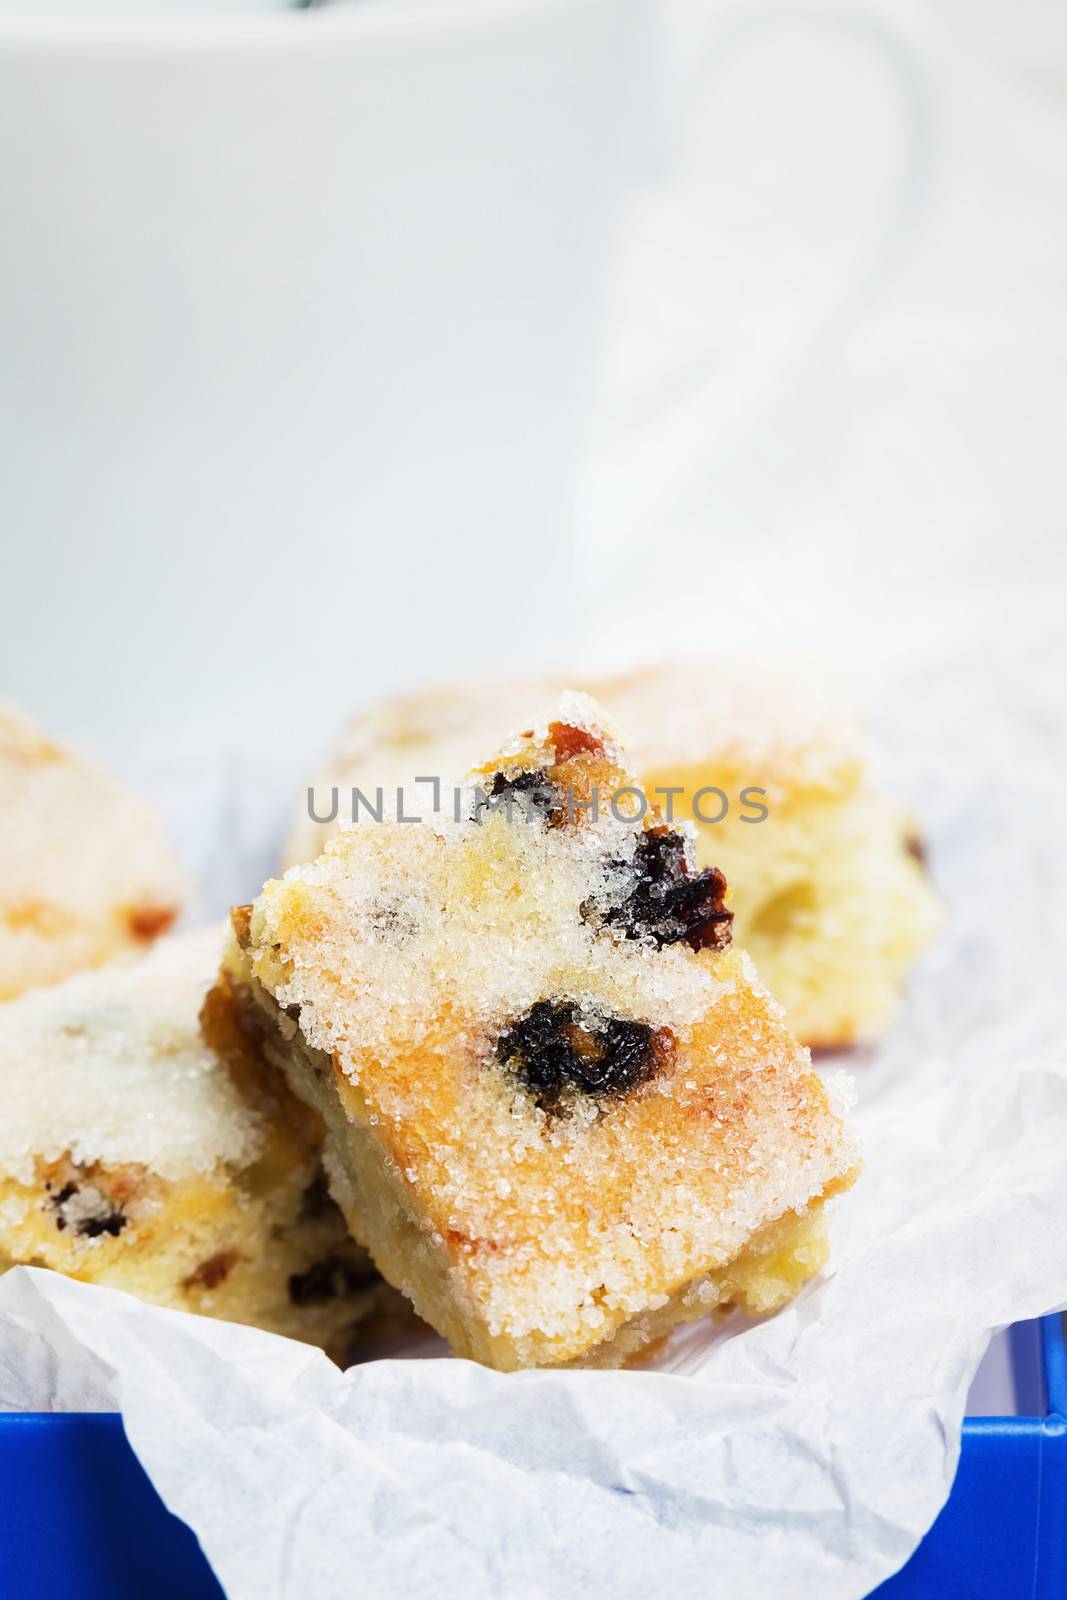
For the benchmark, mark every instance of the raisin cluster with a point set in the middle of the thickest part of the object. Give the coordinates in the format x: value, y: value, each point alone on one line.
x: 541, y: 797
x: 329, y: 1279
x: 667, y: 902
x: 534, y: 791
x: 556, y: 1047
x: 106, y: 1218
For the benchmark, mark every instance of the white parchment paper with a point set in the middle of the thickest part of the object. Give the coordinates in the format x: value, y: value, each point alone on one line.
x: 805, y: 1455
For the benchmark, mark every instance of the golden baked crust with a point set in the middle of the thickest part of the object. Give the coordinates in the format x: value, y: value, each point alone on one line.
x: 829, y: 892
x: 561, y: 1111
x: 86, y: 871
x: 136, y: 1155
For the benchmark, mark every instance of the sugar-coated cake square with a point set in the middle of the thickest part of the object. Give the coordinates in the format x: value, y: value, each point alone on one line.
x: 87, y: 873
x: 561, y: 1110
x: 137, y: 1155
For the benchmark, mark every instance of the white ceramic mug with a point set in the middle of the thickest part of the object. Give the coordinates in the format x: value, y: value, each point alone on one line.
x: 297, y: 320
x: 300, y: 315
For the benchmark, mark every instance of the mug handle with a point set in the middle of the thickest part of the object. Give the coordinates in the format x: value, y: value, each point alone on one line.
x: 705, y: 425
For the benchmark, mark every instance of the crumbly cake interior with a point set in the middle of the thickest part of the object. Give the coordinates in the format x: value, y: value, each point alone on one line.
x: 829, y: 891
x: 833, y: 902
x: 562, y: 1112
x: 86, y: 871
x: 135, y: 1154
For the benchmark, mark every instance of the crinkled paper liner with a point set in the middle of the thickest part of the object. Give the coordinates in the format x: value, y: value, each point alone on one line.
x: 805, y: 1455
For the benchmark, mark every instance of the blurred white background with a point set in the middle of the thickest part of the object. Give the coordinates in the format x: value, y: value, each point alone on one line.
x: 846, y: 406
x: 299, y: 315
x: 350, y: 347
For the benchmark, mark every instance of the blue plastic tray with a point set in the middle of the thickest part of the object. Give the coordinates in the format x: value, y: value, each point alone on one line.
x: 1003, y: 1533
x: 83, y: 1522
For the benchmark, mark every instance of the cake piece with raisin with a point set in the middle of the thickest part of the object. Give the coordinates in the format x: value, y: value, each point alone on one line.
x: 829, y: 888
x: 561, y: 1110
x: 135, y: 1154
x: 86, y: 871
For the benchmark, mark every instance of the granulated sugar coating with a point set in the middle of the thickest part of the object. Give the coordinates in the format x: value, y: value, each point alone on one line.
x: 86, y: 871
x: 560, y: 1128
x: 829, y: 891
x: 135, y: 1154
x: 110, y: 1066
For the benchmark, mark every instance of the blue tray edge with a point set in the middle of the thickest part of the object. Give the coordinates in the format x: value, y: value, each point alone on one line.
x: 83, y: 1521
